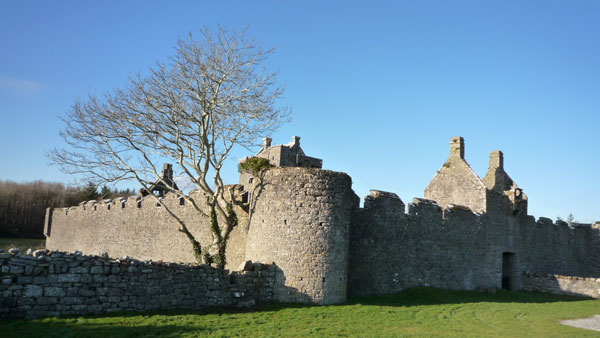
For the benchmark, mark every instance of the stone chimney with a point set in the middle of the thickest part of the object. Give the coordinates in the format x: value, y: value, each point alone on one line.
x: 496, y: 160
x: 457, y: 147
x: 296, y: 140
x: 167, y: 171
x: 267, y: 142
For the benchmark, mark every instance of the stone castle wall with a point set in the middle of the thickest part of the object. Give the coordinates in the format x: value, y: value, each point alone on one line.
x: 307, y: 222
x: 136, y: 228
x: 58, y: 284
x: 455, y: 249
x: 300, y: 220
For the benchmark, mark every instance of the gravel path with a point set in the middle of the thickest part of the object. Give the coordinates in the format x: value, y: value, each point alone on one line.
x: 591, y: 323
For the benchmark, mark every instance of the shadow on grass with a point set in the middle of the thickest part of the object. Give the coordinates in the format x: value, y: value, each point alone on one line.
x: 64, y: 329
x: 431, y: 296
x: 125, y: 324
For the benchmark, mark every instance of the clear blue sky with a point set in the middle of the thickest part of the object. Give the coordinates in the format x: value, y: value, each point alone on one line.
x: 377, y: 88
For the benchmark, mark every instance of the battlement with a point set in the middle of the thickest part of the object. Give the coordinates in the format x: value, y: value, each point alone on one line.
x: 466, y: 233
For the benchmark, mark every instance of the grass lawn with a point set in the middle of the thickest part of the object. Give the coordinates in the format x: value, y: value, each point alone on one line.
x: 416, y: 312
x: 22, y: 243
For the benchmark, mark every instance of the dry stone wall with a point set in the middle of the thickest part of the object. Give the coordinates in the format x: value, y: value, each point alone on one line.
x: 58, y: 284
x: 300, y: 220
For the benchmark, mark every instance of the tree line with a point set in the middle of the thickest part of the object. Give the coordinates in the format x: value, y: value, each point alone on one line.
x: 23, y: 205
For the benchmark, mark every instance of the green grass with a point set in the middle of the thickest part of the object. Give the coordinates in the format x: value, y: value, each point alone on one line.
x: 22, y: 243
x: 416, y: 312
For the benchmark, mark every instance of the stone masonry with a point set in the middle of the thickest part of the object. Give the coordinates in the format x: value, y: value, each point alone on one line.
x: 566, y: 285
x: 300, y: 219
x: 58, y: 284
x: 467, y: 233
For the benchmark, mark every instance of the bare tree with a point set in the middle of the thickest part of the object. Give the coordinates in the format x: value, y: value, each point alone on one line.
x: 213, y: 94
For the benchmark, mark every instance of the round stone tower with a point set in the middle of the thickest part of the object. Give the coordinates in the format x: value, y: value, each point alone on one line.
x: 299, y: 220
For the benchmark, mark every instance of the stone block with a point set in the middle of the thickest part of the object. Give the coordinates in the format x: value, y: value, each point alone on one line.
x: 95, y: 308
x: 14, y: 251
x: 53, y: 291
x: 17, y: 269
x: 115, y: 292
x: 33, y: 291
x: 99, y: 278
x: 86, y: 293
x: 72, y: 300
x: 95, y: 270
x: 42, y: 301
x: 69, y: 278
x: 79, y: 269
x: 86, y: 278
x: 39, y: 280
x: 39, y: 270
x: 72, y: 292
x: 24, y: 280
x: 38, y: 253
x: 102, y: 291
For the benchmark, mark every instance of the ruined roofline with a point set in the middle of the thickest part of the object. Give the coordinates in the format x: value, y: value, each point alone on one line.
x: 496, y: 175
x: 422, y: 207
x: 163, y: 183
x: 457, y: 183
x: 295, y: 143
x: 457, y: 153
x: 496, y: 160
x: 452, y: 176
x: 286, y: 155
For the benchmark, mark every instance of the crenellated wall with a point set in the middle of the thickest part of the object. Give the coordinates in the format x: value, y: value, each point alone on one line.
x: 456, y: 248
x: 299, y: 218
x: 307, y: 221
x: 137, y: 228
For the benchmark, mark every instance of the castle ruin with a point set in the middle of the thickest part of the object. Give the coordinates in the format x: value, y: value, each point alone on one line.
x: 467, y: 233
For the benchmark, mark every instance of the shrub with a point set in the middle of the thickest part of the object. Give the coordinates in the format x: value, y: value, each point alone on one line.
x: 254, y: 165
